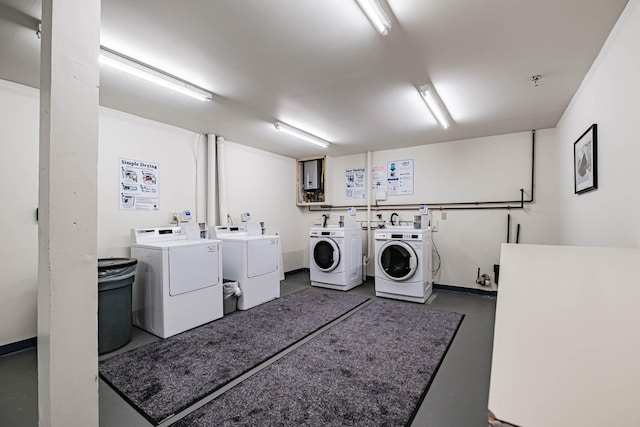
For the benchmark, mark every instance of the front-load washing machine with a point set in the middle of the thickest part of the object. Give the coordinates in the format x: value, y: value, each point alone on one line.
x: 253, y: 260
x: 335, y: 257
x: 178, y: 284
x: 403, y: 263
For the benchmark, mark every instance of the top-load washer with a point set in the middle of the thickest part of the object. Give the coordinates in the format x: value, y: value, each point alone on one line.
x: 335, y: 257
x: 178, y: 284
x: 403, y: 263
x: 253, y: 260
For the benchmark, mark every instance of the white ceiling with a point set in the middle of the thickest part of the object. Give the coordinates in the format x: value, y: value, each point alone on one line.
x: 319, y: 65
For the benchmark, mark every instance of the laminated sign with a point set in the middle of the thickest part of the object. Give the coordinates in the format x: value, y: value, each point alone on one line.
x: 138, y: 185
x: 400, y: 177
x: 354, y: 183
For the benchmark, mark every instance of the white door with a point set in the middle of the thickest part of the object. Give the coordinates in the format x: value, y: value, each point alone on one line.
x: 193, y: 267
x: 262, y: 256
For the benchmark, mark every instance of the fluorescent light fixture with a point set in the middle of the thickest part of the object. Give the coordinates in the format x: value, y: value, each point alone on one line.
x: 146, y: 72
x: 376, y: 15
x: 435, y: 104
x: 283, y: 127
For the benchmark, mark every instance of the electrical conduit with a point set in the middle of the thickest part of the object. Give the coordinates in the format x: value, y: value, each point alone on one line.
x: 201, y: 178
x: 223, y: 214
x: 367, y: 257
x: 212, y: 218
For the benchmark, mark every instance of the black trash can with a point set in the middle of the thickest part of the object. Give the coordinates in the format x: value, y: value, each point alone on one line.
x: 115, y: 277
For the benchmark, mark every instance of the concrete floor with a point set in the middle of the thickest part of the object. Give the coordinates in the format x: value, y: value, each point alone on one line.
x: 457, y: 397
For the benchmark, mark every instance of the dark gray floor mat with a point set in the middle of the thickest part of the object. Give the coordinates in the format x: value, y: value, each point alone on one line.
x: 371, y: 369
x: 162, y: 378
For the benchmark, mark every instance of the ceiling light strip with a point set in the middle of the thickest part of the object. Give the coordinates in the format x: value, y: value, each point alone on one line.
x: 283, y: 127
x: 435, y: 105
x: 376, y: 15
x: 146, y: 72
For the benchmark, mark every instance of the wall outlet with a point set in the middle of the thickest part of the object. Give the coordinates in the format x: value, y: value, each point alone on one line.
x: 173, y: 218
x: 434, y: 225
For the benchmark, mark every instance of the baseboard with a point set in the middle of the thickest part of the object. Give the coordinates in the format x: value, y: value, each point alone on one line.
x: 17, y: 346
x: 456, y: 289
x: 465, y: 290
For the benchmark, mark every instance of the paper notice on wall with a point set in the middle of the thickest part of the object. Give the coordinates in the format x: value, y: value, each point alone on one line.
x: 378, y: 178
x: 400, y: 177
x: 138, y: 185
x: 354, y: 183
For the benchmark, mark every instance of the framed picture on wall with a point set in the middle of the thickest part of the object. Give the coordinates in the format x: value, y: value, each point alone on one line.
x: 585, y: 161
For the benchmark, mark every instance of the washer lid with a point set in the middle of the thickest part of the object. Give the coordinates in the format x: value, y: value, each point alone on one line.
x: 193, y: 267
x: 262, y: 256
x: 326, y: 254
x: 397, y: 260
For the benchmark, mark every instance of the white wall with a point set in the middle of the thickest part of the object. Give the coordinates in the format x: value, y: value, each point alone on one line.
x: 480, y: 169
x: 19, y: 124
x: 468, y: 170
x: 177, y: 153
x: 121, y: 135
x: 263, y: 184
x: 610, y: 215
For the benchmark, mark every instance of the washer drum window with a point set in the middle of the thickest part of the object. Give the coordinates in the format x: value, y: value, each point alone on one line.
x: 326, y: 254
x: 398, y: 260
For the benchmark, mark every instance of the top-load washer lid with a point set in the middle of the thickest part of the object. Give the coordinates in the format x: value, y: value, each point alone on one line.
x: 194, y: 266
x: 326, y: 254
x: 263, y: 255
x: 397, y: 260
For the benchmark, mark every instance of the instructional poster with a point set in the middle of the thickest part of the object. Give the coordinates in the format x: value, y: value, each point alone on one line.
x: 138, y: 185
x: 400, y: 177
x: 354, y: 183
x: 379, y: 178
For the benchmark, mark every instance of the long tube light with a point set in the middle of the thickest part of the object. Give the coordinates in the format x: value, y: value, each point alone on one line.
x: 146, y: 72
x: 376, y: 15
x: 283, y: 127
x: 435, y: 105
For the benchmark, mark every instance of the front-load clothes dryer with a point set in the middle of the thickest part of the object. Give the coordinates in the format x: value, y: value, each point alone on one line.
x: 335, y: 257
x: 253, y: 260
x: 178, y: 284
x: 403, y: 264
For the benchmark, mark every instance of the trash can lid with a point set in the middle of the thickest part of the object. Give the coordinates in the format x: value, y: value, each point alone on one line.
x: 111, y: 263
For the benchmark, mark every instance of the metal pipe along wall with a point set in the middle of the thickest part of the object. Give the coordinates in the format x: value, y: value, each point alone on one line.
x: 222, y: 183
x: 212, y: 217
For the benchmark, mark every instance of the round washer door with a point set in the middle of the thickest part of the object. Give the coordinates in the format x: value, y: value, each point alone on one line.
x: 326, y: 254
x: 397, y: 260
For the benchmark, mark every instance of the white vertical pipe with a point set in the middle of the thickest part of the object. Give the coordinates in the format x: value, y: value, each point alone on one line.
x: 368, y: 190
x: 212, y: 217
x: 222, y: 183
x: 201, y: 178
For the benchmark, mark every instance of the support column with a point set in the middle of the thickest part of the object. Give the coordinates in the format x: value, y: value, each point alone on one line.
x: 67, y: 232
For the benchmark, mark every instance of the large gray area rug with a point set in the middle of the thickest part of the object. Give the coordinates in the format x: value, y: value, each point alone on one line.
x: 162, y: 378
x: 371, y: 369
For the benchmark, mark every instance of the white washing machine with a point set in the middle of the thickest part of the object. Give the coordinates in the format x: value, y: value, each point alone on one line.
x: 253, y: 260
x: 335, y: 257
x: 178, y: 284
x: 403, y: 263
